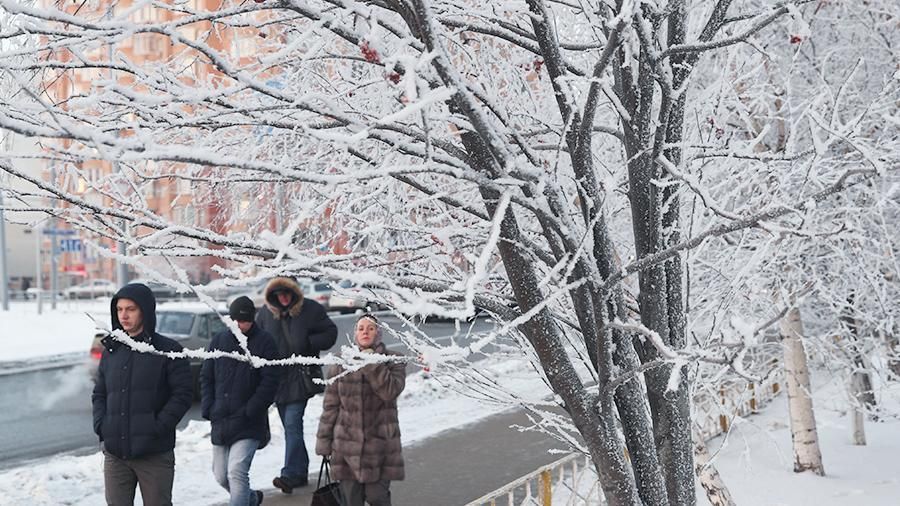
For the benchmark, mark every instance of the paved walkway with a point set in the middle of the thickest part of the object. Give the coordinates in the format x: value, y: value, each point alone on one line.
x: 458, y: 466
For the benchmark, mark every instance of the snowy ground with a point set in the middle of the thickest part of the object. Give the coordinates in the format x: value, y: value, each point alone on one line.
x: 426, y: 409
x: 29, y: 340
x: 756, y: 461
x: 63, y: 336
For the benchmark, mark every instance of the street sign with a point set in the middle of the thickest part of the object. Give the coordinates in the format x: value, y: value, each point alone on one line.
x: 69, y: 245
x: 59, y: 231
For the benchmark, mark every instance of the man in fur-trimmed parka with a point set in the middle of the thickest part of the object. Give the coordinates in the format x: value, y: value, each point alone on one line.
x: 301, y: 327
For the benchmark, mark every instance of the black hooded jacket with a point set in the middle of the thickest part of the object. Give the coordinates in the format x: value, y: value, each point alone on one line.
x: 139, y: 398
x: 235, y: 395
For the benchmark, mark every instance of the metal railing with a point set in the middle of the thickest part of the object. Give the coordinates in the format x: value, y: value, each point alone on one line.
x: 570, y: 481
x: 573, y: 481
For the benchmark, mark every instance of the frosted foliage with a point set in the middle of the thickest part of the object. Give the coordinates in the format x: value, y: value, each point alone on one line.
x: 628, y: 188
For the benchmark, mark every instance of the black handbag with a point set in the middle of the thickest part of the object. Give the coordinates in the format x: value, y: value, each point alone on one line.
x: 330, y: 493
x: 307, y: 372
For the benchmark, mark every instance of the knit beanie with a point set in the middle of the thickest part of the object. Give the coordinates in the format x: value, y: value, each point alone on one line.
x: 242, y: 309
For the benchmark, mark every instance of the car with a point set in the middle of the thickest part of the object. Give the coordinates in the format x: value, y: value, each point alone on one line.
x: 220, y: 291
x: 191, y: 325
x: 33, y: 293
x: 319, y: 291
x: 256, y: 293
x: 348, y: 297
x: 164, y: 292
x: 91, y: 289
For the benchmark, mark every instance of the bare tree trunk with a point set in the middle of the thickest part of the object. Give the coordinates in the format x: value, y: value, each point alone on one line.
x: 893, y: 352
x: 862, y: 396
x: 716, y: 491
x: 861, y: 380
x: 807, y: 456
x: 857, y: 391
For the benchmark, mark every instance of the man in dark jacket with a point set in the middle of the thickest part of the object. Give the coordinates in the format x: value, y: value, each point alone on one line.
x: 138, y: 400
x: 236, y: 397
x: 301, y: 327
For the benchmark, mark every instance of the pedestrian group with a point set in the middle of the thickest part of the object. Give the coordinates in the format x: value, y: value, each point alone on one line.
x: 139, y: 399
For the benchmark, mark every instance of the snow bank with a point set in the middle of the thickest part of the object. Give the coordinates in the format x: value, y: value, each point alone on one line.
x: 28, y: 336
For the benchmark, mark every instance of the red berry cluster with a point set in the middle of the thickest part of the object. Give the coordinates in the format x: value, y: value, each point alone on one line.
x: 369, y: 53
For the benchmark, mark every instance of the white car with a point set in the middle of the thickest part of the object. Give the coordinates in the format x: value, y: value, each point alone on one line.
x: 91, y: 289
x: 347, y: 297
x: 255, y: 293
x: 318, y: 291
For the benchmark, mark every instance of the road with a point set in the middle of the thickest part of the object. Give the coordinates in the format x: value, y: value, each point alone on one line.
x: 48, y: 412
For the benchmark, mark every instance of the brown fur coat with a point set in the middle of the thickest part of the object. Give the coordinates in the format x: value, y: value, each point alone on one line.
x: 359, y: 428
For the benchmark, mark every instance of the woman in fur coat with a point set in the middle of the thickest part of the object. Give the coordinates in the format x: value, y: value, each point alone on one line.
x: 359, y: 429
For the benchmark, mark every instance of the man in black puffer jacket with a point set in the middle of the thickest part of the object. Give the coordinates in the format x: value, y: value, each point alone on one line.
x: 138, y: 400
x: 236, y: 397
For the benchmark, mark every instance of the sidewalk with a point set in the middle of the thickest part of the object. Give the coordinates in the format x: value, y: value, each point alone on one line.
x: 457, y: 466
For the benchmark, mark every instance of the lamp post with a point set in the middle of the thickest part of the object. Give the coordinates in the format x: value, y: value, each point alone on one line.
x: 4, y: 272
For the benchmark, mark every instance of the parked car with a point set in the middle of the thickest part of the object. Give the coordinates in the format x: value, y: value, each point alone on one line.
x: 164, y: 292
x: 319, y: 291
x: 192, y: 326
x: 348, y: 297
x: 218, y: 290
x: 91, y: 289
x: 34, y: 292
x: 256, y: 293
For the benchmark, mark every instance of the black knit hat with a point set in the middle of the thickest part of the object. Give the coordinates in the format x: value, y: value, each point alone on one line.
x: 242, y: 309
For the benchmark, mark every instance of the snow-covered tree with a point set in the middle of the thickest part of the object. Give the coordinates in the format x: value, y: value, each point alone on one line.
x: 578, y: 169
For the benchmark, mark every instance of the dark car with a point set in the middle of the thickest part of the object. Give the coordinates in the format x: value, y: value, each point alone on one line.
x: 192, y: 326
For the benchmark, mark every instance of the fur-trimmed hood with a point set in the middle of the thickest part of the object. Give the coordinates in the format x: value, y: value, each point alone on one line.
x: 283, y: 283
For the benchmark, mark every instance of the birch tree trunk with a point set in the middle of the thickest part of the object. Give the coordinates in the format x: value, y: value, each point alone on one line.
x: 862, y: 397
x: 807, y: 456
x: 893, y: 353
x: 857, y: 391
x: 716, y: 492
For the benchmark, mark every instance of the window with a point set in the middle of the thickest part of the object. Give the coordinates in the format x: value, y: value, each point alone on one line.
x: 188, y: 215
x: 216, y: 325
x: 150, y: 189
x: 174, y: 323
x: 203, y: 328
x: 184, y: 186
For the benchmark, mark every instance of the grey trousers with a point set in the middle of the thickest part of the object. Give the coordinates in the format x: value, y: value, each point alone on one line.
x: 357, y: 494
x: 154, y: 473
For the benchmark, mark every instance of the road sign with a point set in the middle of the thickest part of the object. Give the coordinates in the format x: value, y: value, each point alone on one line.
x: 69, y: 245
x: 59, y: 231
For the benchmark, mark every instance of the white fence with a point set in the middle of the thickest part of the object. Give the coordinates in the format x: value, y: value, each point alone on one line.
x: 573, y: 481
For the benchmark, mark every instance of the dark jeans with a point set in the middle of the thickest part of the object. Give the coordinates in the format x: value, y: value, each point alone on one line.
x: 296, y: 460
x: 357, y: 494
x: 154, y: 473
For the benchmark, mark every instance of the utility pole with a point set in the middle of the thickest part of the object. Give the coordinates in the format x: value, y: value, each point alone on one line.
x: 54, y: 246
x: 121, y: 267
x: 39, y: 269
x: 4, y: 273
